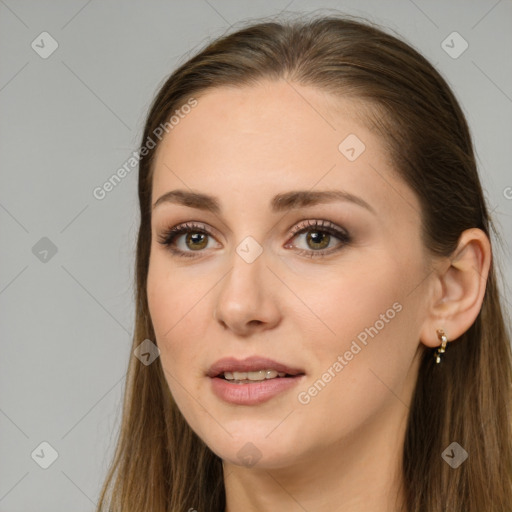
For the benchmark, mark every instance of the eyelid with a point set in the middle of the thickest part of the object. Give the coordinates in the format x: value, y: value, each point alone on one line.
x: 182, y: 228
x: 320, y: 224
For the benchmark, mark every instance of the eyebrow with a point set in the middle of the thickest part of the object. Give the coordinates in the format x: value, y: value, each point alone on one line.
x: 280, y: 202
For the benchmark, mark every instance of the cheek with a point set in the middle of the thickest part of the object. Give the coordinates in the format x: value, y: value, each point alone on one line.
x: 174, y: 307
x: 353, y: 298
x: 367, y: 301
x: 177, y: 334
x: 368, y: 340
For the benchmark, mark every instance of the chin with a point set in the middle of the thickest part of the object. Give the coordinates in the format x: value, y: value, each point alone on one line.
x: 252, y: 448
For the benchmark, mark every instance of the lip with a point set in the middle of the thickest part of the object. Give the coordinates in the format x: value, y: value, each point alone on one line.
x: 255, y: 392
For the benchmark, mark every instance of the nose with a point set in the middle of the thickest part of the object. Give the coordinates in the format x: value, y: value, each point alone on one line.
x: 248, y: 297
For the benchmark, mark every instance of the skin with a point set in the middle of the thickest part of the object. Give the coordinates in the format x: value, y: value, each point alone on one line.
x: 244, y: 145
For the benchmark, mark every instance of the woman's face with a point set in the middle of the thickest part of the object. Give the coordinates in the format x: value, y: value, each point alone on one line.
x: 340, y: 305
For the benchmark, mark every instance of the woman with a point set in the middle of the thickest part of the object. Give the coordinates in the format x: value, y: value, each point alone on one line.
x: 314, y: 264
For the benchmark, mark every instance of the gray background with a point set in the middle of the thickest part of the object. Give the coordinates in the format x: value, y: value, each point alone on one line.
x: 67, y: 123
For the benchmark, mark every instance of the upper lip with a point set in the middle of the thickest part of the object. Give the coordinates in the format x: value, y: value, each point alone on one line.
x: 250, y: 364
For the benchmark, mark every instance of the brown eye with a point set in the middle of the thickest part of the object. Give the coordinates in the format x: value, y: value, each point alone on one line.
x: 195, y: 241
x: 318, y: 239
x: 198, y: 239
x: 318, y: 236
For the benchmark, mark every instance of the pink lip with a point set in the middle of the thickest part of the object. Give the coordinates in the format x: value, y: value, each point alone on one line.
x: 255, y: 392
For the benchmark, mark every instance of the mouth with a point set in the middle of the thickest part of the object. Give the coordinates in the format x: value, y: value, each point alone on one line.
x: 253, y: 380
x: 254, y: 376
x: 255, y: 368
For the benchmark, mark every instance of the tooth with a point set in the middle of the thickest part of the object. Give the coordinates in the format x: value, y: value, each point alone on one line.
x: 259, y: 375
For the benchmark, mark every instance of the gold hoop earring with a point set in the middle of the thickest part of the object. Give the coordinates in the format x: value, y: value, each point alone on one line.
x: 441, y: 350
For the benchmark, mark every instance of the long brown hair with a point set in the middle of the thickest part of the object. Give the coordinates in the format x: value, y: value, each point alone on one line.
x: 160, y: 464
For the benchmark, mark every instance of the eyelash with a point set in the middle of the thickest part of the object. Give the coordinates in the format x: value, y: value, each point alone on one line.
x: 167, y: 238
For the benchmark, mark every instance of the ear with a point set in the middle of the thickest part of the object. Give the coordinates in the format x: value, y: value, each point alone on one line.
x: 459, y: 288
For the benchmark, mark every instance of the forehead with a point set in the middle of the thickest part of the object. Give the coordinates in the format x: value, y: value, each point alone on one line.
x: 281, y: 114
x: 274, y: 136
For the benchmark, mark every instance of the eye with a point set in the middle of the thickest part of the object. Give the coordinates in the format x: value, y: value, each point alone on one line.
x: 319, y: 236
x: 196, y: 238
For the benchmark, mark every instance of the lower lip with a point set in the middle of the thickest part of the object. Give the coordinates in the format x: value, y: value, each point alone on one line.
x: 254, y: 393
